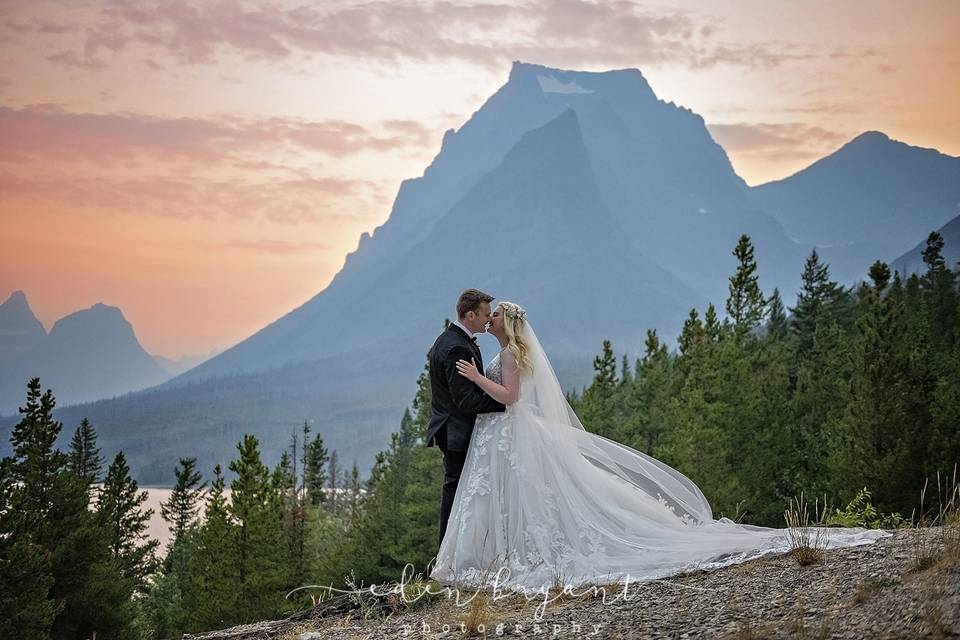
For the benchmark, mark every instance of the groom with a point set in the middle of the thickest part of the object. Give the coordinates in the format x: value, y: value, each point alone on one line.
x: 455, y: 400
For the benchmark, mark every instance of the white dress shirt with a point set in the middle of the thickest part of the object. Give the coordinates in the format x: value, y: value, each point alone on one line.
x: 468, y: 332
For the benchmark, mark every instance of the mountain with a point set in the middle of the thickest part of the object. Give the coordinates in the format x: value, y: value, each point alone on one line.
x: 874, y: 198
x: 912, y: 261
x: 582, y: 196
x: 666, y: 183
x: 20, y: 330
x: 88, y: 354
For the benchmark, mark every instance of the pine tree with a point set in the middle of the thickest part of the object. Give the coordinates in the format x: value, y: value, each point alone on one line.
x: 692, y: 334
x: 25, y: 573
x: 181, y: 510
x: 39, y: 462
x: 210, y: 585
x: 625, y: 376
x: 283, y: 478
x: 605, y: 366
x: 85, y: 459
x: 818, y: 405
x: 745, y: 303
x: 820, y: 300
x: 933, y: 253
x: 944, y: 446
x: 939, y: 297
x: 118, y: 509
x: 315, y: 471
x: 284, y: 482
x: 333, y: 478
x: 597, y: 405
x: 649, y: 397
x: 712, y: 329
x: 302, y: 493
x: 255, y: 507
x: 776, y: 317
x: 356, y: 494
x: 50, y: 516
x: 873, y: 451
x: 398, y: 519
x: 421, y: 401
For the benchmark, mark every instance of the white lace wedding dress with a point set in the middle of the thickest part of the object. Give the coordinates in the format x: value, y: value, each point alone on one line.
x: 544, y: 503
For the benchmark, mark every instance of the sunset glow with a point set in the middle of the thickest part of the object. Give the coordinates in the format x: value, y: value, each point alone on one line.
x: 206, y: 166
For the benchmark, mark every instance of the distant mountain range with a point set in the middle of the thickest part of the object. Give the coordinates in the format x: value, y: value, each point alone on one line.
x: 600, y: 208
x: 88, y: 355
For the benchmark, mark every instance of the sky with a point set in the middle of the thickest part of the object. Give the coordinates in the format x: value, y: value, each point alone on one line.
x: 207, y: 165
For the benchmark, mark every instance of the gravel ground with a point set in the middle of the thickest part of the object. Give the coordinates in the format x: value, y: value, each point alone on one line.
x: 873, y: 591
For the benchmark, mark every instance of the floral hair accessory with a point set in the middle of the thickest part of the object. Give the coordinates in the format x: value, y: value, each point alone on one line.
x: 514, y: 311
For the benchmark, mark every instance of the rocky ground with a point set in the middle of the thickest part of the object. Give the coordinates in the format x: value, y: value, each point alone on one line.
x: 903, y: 586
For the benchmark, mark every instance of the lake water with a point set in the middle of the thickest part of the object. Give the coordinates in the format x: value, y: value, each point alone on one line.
x: 157, y: 528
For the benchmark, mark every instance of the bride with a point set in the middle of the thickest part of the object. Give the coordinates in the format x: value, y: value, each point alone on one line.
x: 544, y: 503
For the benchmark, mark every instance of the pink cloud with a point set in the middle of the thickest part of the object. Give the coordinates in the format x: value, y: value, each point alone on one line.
x: 73, y: 59
x: 284, y: 201
x: 50, y: 131
x: 490, y: 34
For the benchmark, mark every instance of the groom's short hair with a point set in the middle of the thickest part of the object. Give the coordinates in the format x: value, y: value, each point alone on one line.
x: 470, y: 300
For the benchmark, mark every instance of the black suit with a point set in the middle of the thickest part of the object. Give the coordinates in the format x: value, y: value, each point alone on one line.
x: 455, y: 403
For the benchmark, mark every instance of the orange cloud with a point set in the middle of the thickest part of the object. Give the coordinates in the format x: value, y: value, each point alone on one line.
x: 777, y: 141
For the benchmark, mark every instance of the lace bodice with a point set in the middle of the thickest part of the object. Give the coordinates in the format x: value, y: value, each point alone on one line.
x: 494, y: 370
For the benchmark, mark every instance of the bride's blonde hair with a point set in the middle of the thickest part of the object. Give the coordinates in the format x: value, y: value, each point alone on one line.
x: 514, y: 317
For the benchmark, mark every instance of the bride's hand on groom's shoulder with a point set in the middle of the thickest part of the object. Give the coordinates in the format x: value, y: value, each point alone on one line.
x: 469, y: 370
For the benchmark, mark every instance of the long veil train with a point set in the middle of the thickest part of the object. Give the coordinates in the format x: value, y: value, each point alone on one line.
x: 551, y: 502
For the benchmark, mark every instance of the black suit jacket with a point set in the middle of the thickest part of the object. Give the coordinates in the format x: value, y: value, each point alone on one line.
x: 455, y: 400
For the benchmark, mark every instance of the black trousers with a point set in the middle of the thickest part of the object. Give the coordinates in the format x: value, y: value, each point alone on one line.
x: 452, y: 468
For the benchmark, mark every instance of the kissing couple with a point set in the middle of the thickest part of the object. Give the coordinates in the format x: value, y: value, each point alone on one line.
x: 531, y: 500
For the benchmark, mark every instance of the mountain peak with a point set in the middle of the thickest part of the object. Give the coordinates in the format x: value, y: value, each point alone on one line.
x: 18, y: 298
x: 520, y: 68
x: 553, y: 80
x: 20, y: 330
x: 105, y: 309
x: 16, y: 311
x: 870, y: 140
x: 871, y: 136
x: 97, y: 320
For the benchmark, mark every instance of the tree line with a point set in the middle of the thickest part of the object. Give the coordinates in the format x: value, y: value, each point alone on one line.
x: 852, y: 388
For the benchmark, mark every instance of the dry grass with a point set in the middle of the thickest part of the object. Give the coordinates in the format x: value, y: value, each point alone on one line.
x: 415, y: 594
x: 937, y: 539
x: 801, y: 630
x: 807, y: 542
x: 870, y: 587
x: 479, y: 615
x: 932, y: 621
x: 936, y: 553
